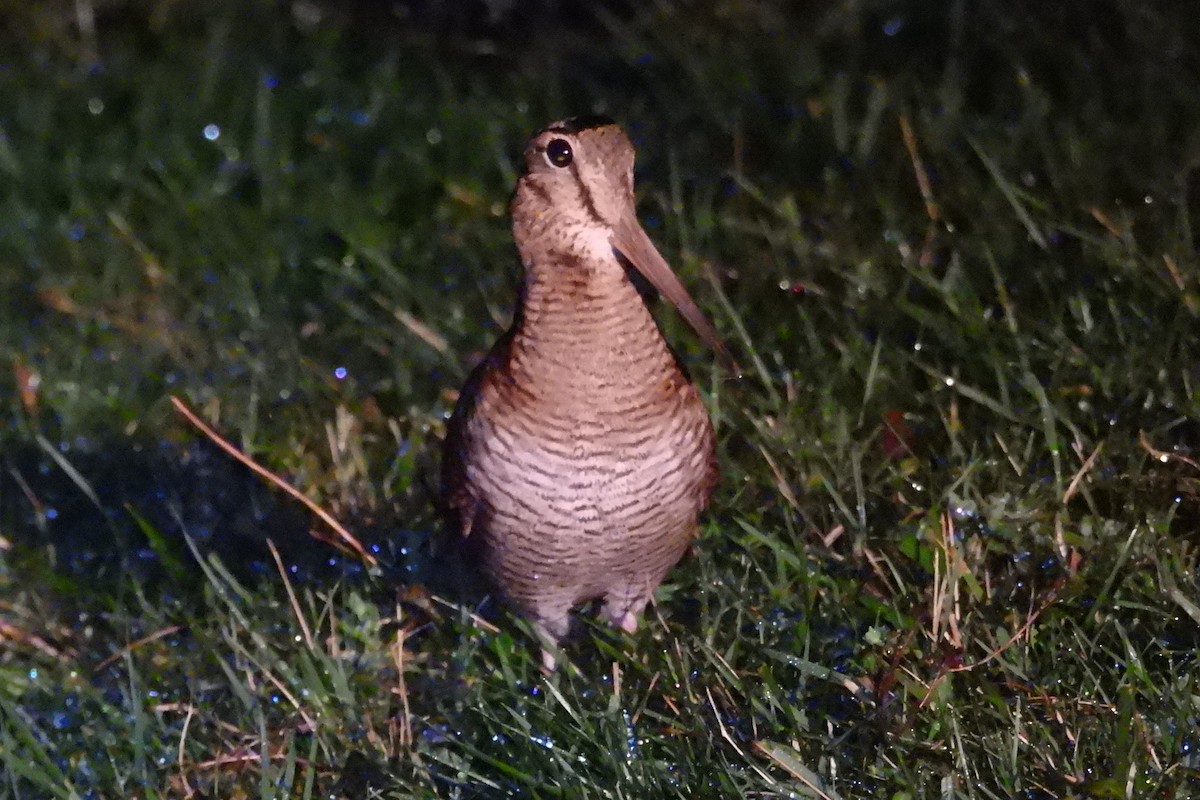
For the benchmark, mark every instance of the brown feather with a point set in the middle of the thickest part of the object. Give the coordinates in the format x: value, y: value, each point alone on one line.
x: 579, y: 455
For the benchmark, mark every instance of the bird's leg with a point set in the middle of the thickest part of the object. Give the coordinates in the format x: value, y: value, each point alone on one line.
x: 622, y: 612
x: 549, y: 662
x: 550, y: 630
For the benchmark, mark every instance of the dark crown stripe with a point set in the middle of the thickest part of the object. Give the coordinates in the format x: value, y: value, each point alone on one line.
x: 582, y: 123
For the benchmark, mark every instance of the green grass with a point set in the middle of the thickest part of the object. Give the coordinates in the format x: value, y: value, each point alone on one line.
x: 954, y: 553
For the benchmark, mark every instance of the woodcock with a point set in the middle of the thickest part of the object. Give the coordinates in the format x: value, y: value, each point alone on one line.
x: 579, y: 455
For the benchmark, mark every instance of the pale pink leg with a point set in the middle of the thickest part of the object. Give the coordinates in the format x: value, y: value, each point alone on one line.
x: 622, y: 612
x: 551, y: 630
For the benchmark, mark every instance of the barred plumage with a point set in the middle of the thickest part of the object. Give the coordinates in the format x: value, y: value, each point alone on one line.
x: 580, y: 455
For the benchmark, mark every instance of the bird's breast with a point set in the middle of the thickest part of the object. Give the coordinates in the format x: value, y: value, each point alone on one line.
x: 589, y: 443
x: 587, y: 420
x: 580, y: 452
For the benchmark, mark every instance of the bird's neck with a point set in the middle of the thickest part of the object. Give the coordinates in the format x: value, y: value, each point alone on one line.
x: 586, y: 316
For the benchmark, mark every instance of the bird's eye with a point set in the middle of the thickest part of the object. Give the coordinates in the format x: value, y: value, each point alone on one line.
x: 558, y: 152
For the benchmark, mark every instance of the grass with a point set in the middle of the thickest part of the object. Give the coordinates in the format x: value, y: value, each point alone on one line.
x: 954, y: 551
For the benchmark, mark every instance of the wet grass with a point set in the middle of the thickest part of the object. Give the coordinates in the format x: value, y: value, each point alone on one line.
x: 954, y: 553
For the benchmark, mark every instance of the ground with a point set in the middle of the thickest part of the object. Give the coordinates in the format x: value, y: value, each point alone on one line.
x: 954, y: 549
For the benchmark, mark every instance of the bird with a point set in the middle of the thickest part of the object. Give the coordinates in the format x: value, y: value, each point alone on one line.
x: 580, y: 455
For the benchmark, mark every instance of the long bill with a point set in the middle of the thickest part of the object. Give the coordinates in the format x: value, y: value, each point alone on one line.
x: 631, y: 241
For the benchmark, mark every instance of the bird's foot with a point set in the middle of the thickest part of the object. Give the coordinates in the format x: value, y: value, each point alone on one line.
x: 550, y: 631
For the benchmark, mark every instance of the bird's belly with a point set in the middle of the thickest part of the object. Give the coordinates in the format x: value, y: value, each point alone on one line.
x: 575, y: 514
